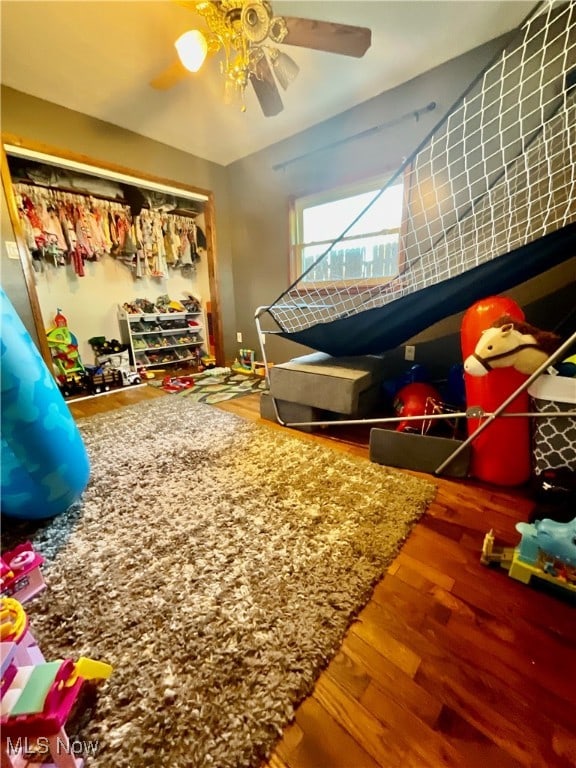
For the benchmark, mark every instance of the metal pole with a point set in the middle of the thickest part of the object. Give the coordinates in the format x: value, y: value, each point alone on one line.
x: 431, y: 417
x: 262, y: 341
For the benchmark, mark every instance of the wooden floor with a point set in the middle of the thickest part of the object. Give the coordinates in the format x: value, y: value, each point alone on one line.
x: 451, y: 663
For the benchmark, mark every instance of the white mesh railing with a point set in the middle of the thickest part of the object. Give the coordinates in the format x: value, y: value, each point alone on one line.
x: 498, y: 173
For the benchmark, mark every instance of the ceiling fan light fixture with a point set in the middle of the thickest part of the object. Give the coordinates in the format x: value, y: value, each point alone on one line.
x: 277, y: 29
x: 246, y: 35
x: 192, y: 49
x: 284, y: 66
x: 256, y: 21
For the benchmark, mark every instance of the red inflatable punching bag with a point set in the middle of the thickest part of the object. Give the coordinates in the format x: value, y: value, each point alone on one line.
x: 501, y: 453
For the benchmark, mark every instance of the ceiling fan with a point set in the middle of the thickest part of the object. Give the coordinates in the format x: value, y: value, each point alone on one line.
x: 247, y: 33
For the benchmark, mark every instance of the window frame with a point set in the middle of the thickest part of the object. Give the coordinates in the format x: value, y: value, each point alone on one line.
x: 300, y: 203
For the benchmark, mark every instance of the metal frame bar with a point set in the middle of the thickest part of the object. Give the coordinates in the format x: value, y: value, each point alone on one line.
x: 498, y: 412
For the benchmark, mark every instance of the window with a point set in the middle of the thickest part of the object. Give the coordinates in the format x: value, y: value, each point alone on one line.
x: 370, y: 250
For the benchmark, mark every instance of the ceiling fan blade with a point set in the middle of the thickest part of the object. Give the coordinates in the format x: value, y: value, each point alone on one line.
x: 266, y: 89
x: 328, y: 36
x: 170, y: 77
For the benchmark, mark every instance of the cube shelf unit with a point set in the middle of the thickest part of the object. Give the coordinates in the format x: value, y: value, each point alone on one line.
x: 159, y: 339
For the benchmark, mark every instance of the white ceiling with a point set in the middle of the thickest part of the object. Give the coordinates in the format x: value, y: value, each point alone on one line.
x: 99, y: 57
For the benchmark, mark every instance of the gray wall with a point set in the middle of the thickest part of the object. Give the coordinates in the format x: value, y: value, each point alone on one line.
x: 12, y: 274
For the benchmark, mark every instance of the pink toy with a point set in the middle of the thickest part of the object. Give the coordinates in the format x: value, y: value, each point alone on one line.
x: 37, y: 696
x: 20, y: 573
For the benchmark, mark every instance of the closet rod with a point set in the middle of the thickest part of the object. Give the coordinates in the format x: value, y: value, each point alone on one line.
x: 177, y: 213
x: 14, y: 149
x: 68, y: 191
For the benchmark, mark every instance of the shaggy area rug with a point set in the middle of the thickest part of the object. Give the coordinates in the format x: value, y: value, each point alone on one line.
x: 216, y: 564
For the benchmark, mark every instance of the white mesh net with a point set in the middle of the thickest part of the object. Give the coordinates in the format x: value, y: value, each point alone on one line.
x: 500, y: 172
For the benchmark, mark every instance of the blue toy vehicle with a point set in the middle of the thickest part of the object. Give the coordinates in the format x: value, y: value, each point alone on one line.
x: 546, y: 550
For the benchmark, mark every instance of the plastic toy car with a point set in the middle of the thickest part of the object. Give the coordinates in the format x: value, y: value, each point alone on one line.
x: 130, y: 377
x: 177, y: 383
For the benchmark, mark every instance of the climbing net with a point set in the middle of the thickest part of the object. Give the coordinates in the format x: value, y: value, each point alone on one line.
x: 499, y: 172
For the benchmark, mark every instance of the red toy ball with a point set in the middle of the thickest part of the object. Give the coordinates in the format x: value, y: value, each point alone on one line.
x: 416, y: 399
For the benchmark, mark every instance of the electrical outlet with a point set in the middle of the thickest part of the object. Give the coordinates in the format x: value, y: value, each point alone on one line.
x: 409, y: 352
x: 11, y: 249
x: 239, y: 337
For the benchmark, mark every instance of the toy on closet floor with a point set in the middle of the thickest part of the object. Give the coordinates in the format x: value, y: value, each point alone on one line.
x: 547, y: 550
x: 37, y: 697
x: 207, y: 362
x: 112, y: 362
x: 63, y: 346
x: 20, y: 574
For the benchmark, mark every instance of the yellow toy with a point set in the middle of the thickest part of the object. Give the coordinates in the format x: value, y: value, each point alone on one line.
x: 37, y: 697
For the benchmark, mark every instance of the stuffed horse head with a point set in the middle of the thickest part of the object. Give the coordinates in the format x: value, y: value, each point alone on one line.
x: 511, y: 343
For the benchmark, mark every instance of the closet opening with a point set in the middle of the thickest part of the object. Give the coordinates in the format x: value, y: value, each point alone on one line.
x: 98, y: 244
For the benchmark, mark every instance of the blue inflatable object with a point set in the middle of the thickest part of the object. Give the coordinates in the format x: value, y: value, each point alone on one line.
x: 45, y: 467
x: 456, y: 386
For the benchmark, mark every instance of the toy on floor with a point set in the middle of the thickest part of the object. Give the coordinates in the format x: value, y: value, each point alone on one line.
x: 177, y: 383
x: 245, y: 362
x: 37, y: 697
x: 547, y: 550
x: 20, y: 574
x: 416, y: 373
x: 416, y: 399
x: 15, y: 631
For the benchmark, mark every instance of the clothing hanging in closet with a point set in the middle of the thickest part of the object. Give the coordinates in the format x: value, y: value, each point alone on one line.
x: 67, y: 228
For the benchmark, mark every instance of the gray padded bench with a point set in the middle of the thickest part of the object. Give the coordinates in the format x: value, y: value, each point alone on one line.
x: 423, y: 453
x: 318, y: 387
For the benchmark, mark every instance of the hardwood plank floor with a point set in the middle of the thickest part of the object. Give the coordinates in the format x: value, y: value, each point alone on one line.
x: 450, y: 663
